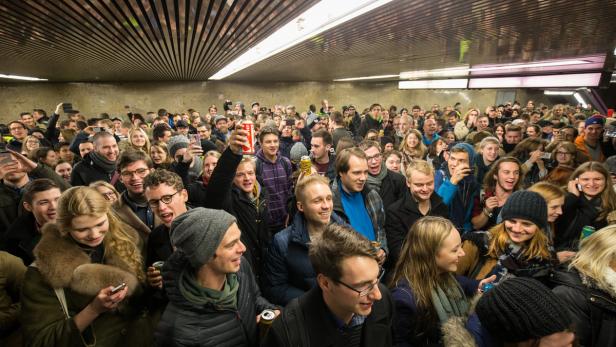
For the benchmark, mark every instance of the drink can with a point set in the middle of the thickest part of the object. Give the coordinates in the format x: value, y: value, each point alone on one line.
x: 381, y: 133
x: 249, y: 127
x: 487, y: 287
x: 267, y: 318
x: 376, y: 244
x: 587, y: 231
x: 305, y: 165
x: 158, y: 265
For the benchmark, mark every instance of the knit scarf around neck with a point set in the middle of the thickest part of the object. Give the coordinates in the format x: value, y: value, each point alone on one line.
x: 225, y: 299
x: 513, y: 263
x: 374, y: 182
x: 102, y: 162
x: 450, y: 302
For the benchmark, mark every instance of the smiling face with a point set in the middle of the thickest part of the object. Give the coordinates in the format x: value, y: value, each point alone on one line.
x: 520, y: 230
x: 593, y: 183
x: 270, y: 145
x: 355, y: 178
x: 412, y: 141
x: 132, y: 176
x: 166, y: 212
x: 137, y: 138
x: 490, y: 152
x: 245, y: 177
x: 89, y: 230
x: 209, y: 164
x: 555, y: 209
x: 393, y: 163
x: 374, y: 160
x: 507, y: 176
x: 107, y: 147
x: 64, y: 170
x: 450, y: 252
x: 317, y: 204
x: 420, y: 185
x: 44, y: 206
x: 228, y: 256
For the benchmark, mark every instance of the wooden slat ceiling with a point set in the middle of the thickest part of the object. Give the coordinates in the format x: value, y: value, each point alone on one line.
x: 174, y: 40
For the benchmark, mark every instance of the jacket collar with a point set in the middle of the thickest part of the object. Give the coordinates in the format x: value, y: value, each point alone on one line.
x: 299, y: 230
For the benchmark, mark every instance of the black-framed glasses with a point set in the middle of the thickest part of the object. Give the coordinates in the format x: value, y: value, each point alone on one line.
x: 139, y: 172
x: 166, y: 199
x: 369, y: 288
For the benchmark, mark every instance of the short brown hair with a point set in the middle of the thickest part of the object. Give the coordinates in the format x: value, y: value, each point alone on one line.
x: 325, y: 135
x: 305, y: 182
x: 130, y: 156
x: 367, y: 144
x: 268, y: 130
x: 342, y: 159
x: 336, y: 243
x: 160, y: 176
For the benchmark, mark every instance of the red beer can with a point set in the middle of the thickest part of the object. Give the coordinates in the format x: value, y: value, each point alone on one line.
x: 249, y: 127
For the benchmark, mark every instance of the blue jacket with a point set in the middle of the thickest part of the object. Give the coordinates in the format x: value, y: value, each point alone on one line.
x: 459, y: 198
x: 288, y: 272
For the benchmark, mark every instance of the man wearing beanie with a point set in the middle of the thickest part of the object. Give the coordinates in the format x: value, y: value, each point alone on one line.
x: 213, y: 295
x: 516, y: 247
x: 590, y: 142
x: 186, y: 158
x: 523, y: 312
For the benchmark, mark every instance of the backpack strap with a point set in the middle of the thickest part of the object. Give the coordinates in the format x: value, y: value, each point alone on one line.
x: 59, y: 294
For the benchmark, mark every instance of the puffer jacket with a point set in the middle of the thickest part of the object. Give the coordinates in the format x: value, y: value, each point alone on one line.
x: 592, y: 309
x: 187, y: 324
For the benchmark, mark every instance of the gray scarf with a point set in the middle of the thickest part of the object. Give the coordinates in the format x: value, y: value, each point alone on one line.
x: 374, y: 182
x: 102, y: 162
x: 450, y: 303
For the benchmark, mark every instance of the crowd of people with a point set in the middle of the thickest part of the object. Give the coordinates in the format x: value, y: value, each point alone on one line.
x: 265, y: 226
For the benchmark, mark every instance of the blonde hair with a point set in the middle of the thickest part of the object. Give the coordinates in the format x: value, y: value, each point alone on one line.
x: 146, y: 146
x: 419, y: 165
x: 547, y: 190
x: 87, y: 201
x: 608, y: 196
x: 163, y: 147
x: 97, y: 184
x: 596, y: 254
x: 419, y: 151
x: 307, y: 181
x: 536, y: 248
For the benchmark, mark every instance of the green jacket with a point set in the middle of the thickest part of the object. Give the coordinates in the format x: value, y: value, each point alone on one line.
x: 60, y: 263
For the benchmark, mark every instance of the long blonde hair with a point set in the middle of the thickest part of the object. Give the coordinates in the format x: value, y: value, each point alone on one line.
x: 608, y: 196
x: 597, y: 252
x: 146, y: 146
x: 87, y: 201
x: 536, y: 248
x: 419, y: 152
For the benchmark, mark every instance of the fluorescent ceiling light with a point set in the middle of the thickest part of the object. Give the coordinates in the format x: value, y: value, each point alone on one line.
x: 568, y: 80
x: 558, y: 92
x: 446, y: 72
x: 23, y: 78
x: 434, y: 84
x: 580, y: 99
x: 366, y: 78
x: 323, y: 16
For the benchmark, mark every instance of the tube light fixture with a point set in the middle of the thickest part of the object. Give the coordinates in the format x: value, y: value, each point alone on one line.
x: 23, y: 78
x: 378, y: 77
x: 544, y: 81
x: 434, y: 84
x: 580, y: 99
x: 323, y: 16
x: 558, y: 92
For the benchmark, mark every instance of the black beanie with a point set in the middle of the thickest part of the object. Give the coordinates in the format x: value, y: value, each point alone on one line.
x: 526, y: 205
x: 520, y: 309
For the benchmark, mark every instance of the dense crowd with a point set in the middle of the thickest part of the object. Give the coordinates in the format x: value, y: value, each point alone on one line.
x: 264, y: 226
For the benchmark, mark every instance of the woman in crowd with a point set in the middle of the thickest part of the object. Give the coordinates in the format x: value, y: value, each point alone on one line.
x: 589, y: 199
x: 197, y: 191
x: 499, y: 131
x: 107, y: 190
x: 412, y: 147
x: 530, y: 152
x: 467, y: 124
x: 588, y: 289
x: 70, y: 298
x: 426, y: 292
x: 518, y: 246
x: 564, y: 163
x: 449, y: 136
x: 160, y: 155
x: 393, y: 161
x: 46, y: 156
x: 436, y: 153
x: 489, y: 149
x: 30, y: 144
x: 139, y: 139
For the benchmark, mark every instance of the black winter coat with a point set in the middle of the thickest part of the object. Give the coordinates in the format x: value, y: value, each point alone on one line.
x: 252, y: 220
x: 368, y: 123
x: 393, y: 188
x: 187, y: 324
x: 86, y: 172
x: 577, y: 213
x: 21, y: 237
x: 307, y: 322
x: 592, y: 310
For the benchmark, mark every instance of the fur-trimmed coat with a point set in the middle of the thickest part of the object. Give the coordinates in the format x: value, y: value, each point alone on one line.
x: 61, y: 263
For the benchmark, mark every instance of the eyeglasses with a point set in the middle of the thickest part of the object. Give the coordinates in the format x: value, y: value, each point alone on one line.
x: 374, y: 157
x: 166, y: 199
x: 369, y: 288
x: 16, y: 128
x: 109, y: 195
x: 140, y: 172
x: 563, y: 153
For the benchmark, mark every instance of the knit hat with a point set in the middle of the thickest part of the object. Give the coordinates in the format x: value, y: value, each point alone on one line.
x: 597, y: 119
x: 610, y: 164
x: 526, y: 205
x: 219, y: 118
x: 297, y: 151
x: 198, y: 232
x: 520, y: 309
x: 177, y: 142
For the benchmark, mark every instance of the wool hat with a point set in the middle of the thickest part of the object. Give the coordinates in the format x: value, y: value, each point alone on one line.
x: 177, y: 142
x: 520, y: 309
x: 198, y: 232
x: 219, y: 118
x: 297, y: 151
x: 596, y: 119
x: 610, y: 164
x: 526, y: 205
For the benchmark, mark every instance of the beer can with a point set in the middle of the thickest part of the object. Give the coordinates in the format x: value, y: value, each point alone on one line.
x: 249, y: 127
x: 158, y: 265
x: 376, y: 245
x: 305, y: 165
x: 381, y: 133
x: 587, y: 231
x: 267, y: 318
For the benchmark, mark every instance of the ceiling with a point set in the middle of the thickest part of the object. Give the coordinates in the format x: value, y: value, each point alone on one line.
x: 165, y: 40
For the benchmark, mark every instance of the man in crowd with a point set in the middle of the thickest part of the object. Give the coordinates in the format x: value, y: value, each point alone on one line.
x: 274, y: 172
x: 339, y: 129
x: 40, y: 201
x: 513, y: 136
x: 100, y: 164
x: 355, y: 202
x: 205, y: 132
x: 404, y: 212
x: 85, y: 148
x: 132, y: 207
x: 213, y: 295
x: 27, y: 119
x: 182, y: 127
x: 372, y: 120
x: 590, y: 143
x: 40, y: 116
x: 19, y: 132
x: 389, y: 184
x: 222, y: 131
x: 64, y: 169
x: 288, y: 273
x: 533, y: 131
x: 161, y: 133
x: 64, y: 152
x: 429, y: 131
x: 348, y: 306
x: 322, y: 159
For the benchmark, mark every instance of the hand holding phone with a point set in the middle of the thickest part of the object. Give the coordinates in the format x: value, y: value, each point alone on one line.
x: 118, y: 288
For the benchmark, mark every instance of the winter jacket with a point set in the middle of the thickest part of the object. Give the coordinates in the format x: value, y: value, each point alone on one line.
x: 307, y: 322
x: 331, y: 167
x: 12, y: 271
x: 288, y: 272
x: 458, y: 197
x: 606, y: 149
x: 592, y: 309
x: 339, y: 133
x: 124, y: 211
x: 577, y: 213
x: 61, y: 263
x: 400, y: 217
x: 393, y: 188
x: 374, y: 206
x: 409, y: 325
x: 21, y: 238
x: 276, y: 178
x: 368, y: 123
x: 185, y: 323
x: 86, y: 172
x: 252, y: 220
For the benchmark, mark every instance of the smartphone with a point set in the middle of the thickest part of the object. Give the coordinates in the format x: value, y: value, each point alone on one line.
x: 67, y: 106
x: 195, y: 139
x: 546, y: 156
x: 578, y: 185
x: 98, y: 129
x: 118, y: 288
x: 5, y: 158
x: 290, y: 122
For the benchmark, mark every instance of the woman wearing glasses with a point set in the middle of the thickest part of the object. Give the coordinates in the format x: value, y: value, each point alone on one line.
x: 563, y: 159
x: 86, y: 285
x: 107, y: 190
x: 426, y: 292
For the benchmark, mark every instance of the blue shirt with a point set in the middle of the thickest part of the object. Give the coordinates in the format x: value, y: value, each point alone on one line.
x: 355, y: 209
x: 428, y: 142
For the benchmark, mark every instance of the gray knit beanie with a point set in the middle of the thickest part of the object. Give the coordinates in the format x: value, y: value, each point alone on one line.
x: 526, y: 205
x: 198, y: 232
x: 177, y: 142
x: 297, y: 151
